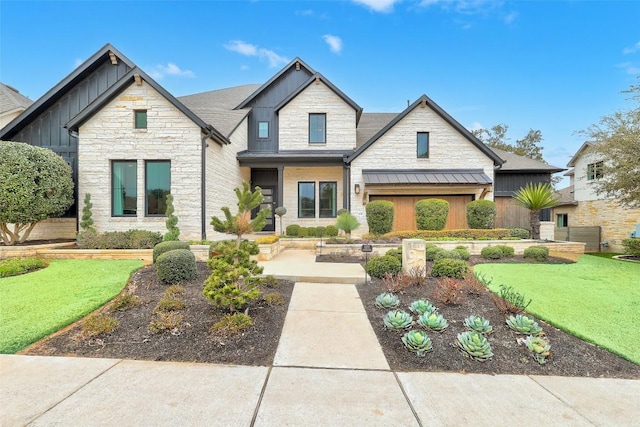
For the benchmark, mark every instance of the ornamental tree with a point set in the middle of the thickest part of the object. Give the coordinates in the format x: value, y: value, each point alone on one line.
x: 535, y: 197
x: 35, y: 184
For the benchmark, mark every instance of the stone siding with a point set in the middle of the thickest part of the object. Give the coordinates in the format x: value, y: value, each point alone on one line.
x: 293, y: 120
x: 170, y: 135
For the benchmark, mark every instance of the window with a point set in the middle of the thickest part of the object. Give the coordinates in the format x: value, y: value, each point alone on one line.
x: 594, y: 171
x: 157, y: 186
x: 306, y: 200
x: 124, y: 188
x: 140, y: 119
x: 317, y: 128
x: 423, y: 145
x: 263, y: 130
x: 562, y: 220
x: 328, y: 199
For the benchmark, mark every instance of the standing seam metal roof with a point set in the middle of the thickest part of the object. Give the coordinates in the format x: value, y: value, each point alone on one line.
x: 425, y: 176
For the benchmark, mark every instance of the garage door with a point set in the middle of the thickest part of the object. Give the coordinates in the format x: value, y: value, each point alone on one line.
x: 404, y: 218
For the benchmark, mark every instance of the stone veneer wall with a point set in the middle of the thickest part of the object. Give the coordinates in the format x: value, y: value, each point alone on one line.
x: 170, y: 135
x: 396, y: 149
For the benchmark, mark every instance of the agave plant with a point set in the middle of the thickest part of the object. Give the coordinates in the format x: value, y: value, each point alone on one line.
x: 478, y: 324
x: 398, y: 319
x: 417, y: 341
x: 540, y: 348
x: 433, y: 321
x: 525, y: 325
x: 387, y: 300
x: 474, y: 345
x: 422, y: 306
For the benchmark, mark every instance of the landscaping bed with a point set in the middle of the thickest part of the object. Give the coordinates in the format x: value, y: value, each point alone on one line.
x: 193, y: 341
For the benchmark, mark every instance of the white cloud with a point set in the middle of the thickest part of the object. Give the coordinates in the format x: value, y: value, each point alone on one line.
x: 334, y: 42
x: 632, y: 49
x: 248, y: 49
x: 510, y: 17
x: 383, y: 6
x: 306, y: 12
x: 171, y: 69
x: 629, y: 68
x: 465, y: 7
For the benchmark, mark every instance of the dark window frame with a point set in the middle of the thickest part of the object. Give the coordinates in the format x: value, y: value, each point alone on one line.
x: 425, y: 154
x: 113, y: 189
x: 313, y: 184
x: 562, y: 218
x: 146, y: 187
x: 324, y: 128
x: 334, y: 209
x: 258, y: 132
x: 140, y: 113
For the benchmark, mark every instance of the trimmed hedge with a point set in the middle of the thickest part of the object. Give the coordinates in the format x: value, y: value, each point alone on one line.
x: 292, y: 230
x: 479, y: 234
x: 380, y: 215
x: 381, y: 265
x: 267, y: 240
x: 491, y: 252
x: 175, y: 266
x: 539, y: 253
x: 522, y: 233
x: 167, y: 246
x: 481, y: 214
x: 631, y: 246
x: 456, y: 268
x: 431, y: 214
x: 132, y: 239
x: 331, y: 231
x: 507, y: 251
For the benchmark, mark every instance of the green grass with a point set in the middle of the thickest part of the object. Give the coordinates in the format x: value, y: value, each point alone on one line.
x: 37, y: 304
x: 596, y: 299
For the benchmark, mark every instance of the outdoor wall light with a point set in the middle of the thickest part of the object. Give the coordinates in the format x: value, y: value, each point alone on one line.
x: 357, y: 188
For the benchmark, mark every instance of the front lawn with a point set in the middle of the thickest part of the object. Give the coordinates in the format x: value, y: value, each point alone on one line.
x: 37, y: 304
x: 596, y: 299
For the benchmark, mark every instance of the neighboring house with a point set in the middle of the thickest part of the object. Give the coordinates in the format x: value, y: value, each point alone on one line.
x: 12, y: 104
x: 301, y: 139
x: 581, y: 206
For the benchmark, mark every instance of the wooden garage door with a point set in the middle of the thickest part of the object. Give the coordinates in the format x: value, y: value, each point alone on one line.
x: 404, y: 218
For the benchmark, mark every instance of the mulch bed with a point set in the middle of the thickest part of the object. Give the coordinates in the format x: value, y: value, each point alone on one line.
x: 192, y: 342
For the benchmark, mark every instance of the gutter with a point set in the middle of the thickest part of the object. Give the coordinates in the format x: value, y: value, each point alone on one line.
x: 203, y: 181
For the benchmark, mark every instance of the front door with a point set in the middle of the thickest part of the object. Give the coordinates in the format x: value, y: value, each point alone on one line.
x: 269, y: 201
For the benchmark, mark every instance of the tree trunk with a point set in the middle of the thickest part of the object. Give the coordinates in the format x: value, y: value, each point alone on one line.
x: 534, y: 219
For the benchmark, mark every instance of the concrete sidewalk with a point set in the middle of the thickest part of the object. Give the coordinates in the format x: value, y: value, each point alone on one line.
x: 301, y: 266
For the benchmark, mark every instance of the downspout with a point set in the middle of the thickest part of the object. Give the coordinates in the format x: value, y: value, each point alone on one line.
x: 203, y: 183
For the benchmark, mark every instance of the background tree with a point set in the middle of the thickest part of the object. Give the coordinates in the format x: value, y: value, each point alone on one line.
x: 535, y: 197
x: 529, y: 146
x: 241, y: 223
x: 35, y: 184
x: 616, y: 140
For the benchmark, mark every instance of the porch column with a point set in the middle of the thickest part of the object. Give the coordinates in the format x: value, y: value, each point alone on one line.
x: 280, y: 186
x: 346, y: 187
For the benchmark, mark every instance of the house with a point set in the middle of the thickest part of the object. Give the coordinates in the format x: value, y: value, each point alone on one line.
x: 308, y: 145
x: 12, y: 104
x: 581, y: 206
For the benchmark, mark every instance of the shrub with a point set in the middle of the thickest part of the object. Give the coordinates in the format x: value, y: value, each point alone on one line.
x: 331, y: 231
x: 538, y: 253
x: 86, y: 224
x: 481, y: 214
x: 303, y: 232
x: 432, y: 252
x: 124, y: 302
x: 449, y: 291
x: 522, y: 233
x: 467, y: 233
x: 16, y: 266
x: 292, y: 230
x: 311, y: 231
x: 395, y: 283
x: 347, y: 223
x: 491, y: 252
x: 99, y: 324
x: 228, y: 246
x: 475, y: 283
x: 269, y: 281
x: 380, y: 215
x: 381, y: 265
x: 273, y: 298
x: 176, y: 265
x: 507, y: 251
x: 232, y: 324
x: 174, y: 291
x: 631, y: 246
x: 132, y: 239
x: 321, y: 231
x: 171, y: 245
x: 169, y: 303
x: 341, y: 211
x: 462, y: 253
x: 165, y: 321
x: 431, y: 214
x: 396, y: 252
x: 455, y: 268
x: 142, y: 239
x: 268, y: 240
x: 509, y: 300
x: 171, y: 223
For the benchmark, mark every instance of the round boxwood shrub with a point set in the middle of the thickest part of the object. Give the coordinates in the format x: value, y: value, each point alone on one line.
x: 431, y: 214
x: 447, y: 267
x: 461, y: 252
x: 522, y: 233
x: 331, y: 231
x: 292, y: 230
x: 380, y: 216
x: 175, y: 266
x: 321, y: 231
x: 432, y: 252
x: 381, y: 265
x: 303, y: 232
x: 395, y: 252
x: 481, y: 214
x: 491, y: 252
x: 507, y: 251
x: 167, y: 246
x: 539, y: 253
x: 311, y: 231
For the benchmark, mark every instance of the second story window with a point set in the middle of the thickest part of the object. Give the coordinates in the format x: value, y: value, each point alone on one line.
x: 263, y: 130
x: 317, y: 128
x: 594, y: 171
x: 140, y: 119
x: 423, y: 145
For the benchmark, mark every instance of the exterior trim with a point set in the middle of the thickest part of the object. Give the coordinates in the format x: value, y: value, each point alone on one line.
x: 574, y: 159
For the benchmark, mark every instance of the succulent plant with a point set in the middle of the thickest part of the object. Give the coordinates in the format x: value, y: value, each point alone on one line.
x: 433, y: 321
x: 422, y: 306
x: 525, y: 325
x: 478, y: 324
x: 398, y: 319
x: 417, y: 341
x: 474, y: 345
x: 540, y: 348
x: 387, y: 300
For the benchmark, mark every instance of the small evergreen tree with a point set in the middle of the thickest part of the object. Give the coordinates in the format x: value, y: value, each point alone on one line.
x: 172, y: 221
x: 86, y: 224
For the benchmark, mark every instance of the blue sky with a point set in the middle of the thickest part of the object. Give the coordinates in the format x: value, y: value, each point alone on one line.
x: 557, y: 66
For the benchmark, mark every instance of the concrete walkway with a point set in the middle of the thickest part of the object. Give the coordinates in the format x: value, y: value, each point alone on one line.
x: 329, y: 370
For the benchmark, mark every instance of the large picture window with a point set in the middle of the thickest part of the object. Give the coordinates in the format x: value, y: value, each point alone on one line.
x: 328, y: 199
x: 594, y: 171
x: 317, y: 128
x: 157, y: 186
x: 306, y: 200
x: 124, y: 184
x: 423, y: 145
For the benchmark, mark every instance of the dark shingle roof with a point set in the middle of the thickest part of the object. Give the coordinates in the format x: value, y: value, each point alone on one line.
x: 425, y: 176
x: 515, y: 163
x: 217, y: 106
x: 11, y: 99
x: 370, y: 124
x: 565, y: 196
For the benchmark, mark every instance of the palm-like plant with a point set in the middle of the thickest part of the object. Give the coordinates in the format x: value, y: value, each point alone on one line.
x: 535, y: 197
